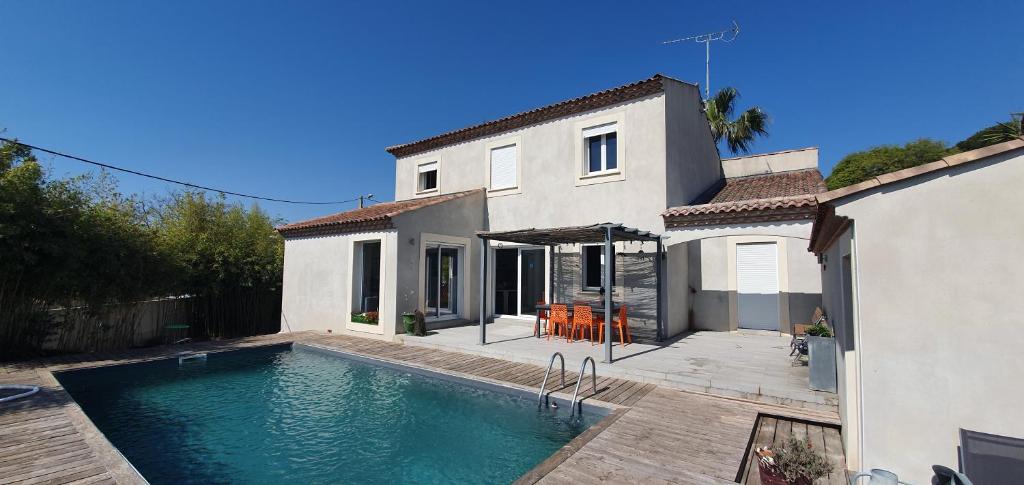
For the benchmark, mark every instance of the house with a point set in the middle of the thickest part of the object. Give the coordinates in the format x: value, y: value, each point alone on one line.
x: 920, y: 281
x: 746, y: 240
x: 637, y: 155
x: 622, y: 155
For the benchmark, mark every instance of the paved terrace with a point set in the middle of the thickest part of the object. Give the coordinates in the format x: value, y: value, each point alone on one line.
x: 753, y: 365
x: 654, y: 434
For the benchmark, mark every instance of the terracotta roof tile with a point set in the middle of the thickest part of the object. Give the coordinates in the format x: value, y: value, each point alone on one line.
x: 377, y: 216
x: 782, y: 184
x: 950, y: 161
x: 635, y: 90
x: 757, y: 198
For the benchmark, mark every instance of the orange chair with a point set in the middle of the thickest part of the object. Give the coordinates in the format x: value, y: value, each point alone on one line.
x: 582, y: 320
x: 622, y: 324
x: 558, y: 321
x: 542, y: 316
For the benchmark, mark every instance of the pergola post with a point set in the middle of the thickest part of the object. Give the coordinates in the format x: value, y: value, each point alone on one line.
x: 483, y: 291
x: 608, y: 289
x: 551, y: 274
x: 658, y: 271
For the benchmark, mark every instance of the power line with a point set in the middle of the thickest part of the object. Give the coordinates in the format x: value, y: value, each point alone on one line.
x: 165, y: 179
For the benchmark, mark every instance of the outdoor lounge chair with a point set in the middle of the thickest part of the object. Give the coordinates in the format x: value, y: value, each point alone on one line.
x: 800, y: 332
x: 947, y: 476
x: 989, y: 459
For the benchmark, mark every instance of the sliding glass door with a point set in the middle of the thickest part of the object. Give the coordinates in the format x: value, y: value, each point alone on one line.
x: 442, y: 280
x: 519, y: 284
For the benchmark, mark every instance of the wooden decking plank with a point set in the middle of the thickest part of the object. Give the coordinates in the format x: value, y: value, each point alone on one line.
x: 834, y: 451
x: 765, y: 436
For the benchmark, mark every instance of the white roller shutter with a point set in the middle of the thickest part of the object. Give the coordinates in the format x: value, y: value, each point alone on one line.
x: 427, y: 167
x: 757, y: 286
x: 503, y: 167
x: 598, y: 130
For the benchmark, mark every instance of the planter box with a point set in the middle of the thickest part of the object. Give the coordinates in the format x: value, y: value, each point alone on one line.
x: 822, y: 355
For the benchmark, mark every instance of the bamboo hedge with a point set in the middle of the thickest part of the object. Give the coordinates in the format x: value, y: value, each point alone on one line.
x: 77, y: 246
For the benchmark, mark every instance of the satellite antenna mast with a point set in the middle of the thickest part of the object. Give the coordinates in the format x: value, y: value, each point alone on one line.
x: 727, y: 35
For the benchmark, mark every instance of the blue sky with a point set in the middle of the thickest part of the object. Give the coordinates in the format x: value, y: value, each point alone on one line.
x: 298, y: 99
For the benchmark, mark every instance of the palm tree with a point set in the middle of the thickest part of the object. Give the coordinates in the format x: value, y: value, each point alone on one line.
x: 738, y: 133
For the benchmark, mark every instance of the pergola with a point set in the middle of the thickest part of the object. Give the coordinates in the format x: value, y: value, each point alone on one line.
x: 606, y: 233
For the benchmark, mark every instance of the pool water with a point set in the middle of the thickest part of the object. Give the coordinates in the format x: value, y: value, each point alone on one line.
x: 308, y: 416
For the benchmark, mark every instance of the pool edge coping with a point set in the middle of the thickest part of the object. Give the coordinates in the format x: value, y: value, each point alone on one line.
x: 123, y: 471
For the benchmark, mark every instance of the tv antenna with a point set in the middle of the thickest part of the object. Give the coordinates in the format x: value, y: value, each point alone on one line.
x: 727, y: 35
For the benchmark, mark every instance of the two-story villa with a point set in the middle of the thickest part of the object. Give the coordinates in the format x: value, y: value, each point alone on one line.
x: 625, y: 155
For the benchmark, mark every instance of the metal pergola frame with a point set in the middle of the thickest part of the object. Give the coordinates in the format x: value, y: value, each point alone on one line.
x: 606, y: 233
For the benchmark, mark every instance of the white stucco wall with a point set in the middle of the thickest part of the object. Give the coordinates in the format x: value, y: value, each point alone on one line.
x: 711, y: 255
x: 550, y: 193
x: 317, y: 284
x: 938, y: 329
x: 764, y: 163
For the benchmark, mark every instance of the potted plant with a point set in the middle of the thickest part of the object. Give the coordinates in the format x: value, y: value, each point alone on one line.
x: 796, y: 462
x: 408, y: 320
x: 821, y: 353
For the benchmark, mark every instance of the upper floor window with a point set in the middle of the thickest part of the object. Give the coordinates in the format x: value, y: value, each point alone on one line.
x: 504, y: 166
x: 601, y: 149
x: 504, y: 170
x: 426, y: 180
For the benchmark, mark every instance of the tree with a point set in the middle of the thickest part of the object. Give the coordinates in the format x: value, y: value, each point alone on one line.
x: 996, y: 133
x: 860, y: 166
x: 738, y: 133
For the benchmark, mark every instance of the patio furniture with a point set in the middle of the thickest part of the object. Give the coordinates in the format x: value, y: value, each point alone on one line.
x: 991, y: 459
x: 541, y: 315
x: 623, y: 326
x: 558, y: 323
x: 948, y: 476
x: 878, y: 476
x: 582, y: 320
x: 796, y: 344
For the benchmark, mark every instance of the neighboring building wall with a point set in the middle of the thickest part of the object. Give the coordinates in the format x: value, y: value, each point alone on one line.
x: 317, y: 284
x: 692, y: 162
x: 712, y: 273
x: 453, y: 222
x: 765, y: 163
x: 937, y: 272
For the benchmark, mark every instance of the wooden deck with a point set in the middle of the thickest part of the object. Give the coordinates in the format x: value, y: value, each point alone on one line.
x: 775, y: 430
x: 657, y: 435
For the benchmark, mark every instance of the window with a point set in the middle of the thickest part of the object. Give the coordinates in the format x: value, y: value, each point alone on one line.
x: 593, y: 267
x: 427, y: 177
x: 600, y: 149
x: 504, y: 167
x: 367, y: 257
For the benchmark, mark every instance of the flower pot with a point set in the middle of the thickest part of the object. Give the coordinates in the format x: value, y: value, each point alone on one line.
x: 822, y: 357
x: 408, y: 320
x: 771, y: 476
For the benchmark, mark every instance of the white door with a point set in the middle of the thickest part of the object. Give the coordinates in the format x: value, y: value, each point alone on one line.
x: 757, y: 286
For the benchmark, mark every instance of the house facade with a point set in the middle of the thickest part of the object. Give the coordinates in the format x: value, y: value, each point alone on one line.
x: 921, y: 285
x: 625, y: 156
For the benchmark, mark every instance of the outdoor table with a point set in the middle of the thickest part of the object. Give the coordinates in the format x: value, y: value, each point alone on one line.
x: 597, y: 307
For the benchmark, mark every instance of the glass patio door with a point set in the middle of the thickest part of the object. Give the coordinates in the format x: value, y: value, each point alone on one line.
x: 442, y: 280
x: 519, y: 280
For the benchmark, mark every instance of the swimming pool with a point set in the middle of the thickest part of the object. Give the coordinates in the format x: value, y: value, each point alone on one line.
x: 308, y: 415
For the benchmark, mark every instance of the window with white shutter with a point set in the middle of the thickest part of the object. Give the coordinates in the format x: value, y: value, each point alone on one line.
x: 504, y: 167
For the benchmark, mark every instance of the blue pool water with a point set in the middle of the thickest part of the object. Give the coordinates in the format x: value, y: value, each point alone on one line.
x: 305, y: 416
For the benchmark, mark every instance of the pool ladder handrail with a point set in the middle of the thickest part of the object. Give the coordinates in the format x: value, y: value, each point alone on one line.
x: 593, y: 383
x: 540, y: 395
